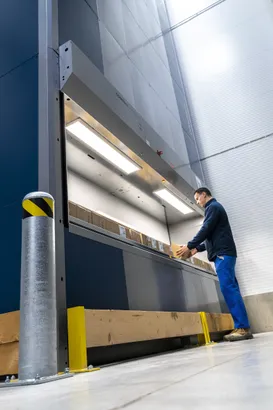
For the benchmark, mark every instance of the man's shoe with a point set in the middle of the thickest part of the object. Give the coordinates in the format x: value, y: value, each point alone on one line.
x: 227, y: 337
x: 238, y: 335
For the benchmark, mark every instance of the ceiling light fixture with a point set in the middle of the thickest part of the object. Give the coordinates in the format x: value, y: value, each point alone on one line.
x: 171, y: 199
x: 100, y: 145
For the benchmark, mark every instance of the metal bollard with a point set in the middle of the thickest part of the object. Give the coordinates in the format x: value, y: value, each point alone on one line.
x: 38, y: 315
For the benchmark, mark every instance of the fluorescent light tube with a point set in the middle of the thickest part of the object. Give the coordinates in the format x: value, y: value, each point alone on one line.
x: 173, y: 201
x: 102, y: 147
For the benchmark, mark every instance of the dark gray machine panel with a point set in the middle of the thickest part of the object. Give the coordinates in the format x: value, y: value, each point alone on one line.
x: 193, y: 291
x: 153, y: 281
x: 211, y: 301
x: 152, y: 285
x: 156, y: 285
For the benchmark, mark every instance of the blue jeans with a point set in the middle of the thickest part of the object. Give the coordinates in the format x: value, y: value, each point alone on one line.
x: 225, y: 268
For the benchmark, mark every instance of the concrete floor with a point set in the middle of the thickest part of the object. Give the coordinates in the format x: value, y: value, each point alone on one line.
x: 224, y: 376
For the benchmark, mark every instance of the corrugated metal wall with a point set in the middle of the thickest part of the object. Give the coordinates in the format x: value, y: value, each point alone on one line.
x: 136, y: 63
x: 227, y: 59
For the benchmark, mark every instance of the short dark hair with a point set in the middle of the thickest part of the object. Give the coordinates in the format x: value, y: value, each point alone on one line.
x: 203, y: 190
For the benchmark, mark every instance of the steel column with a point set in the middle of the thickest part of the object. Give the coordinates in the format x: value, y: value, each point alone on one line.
x: 50, y: 150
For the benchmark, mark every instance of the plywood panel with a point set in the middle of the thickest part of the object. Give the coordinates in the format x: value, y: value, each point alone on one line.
x: 9, y: 327
x: 110, y: 327
x: 9, y: 355
x: 219, y: 322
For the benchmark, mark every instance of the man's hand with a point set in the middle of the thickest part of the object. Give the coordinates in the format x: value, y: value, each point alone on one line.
x: 194, y: 252
x: 184, y: 252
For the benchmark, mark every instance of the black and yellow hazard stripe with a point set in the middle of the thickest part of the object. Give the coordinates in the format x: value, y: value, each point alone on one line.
x: 38, y: 207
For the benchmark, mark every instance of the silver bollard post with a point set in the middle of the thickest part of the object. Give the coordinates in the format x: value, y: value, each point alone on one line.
x: 38, y: 314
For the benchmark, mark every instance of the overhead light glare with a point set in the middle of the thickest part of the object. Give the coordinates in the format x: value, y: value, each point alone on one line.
x: 102, y: 147
x: 171, y: 199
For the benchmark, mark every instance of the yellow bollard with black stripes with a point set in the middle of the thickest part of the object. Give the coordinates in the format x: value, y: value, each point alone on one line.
x: 42, y: 205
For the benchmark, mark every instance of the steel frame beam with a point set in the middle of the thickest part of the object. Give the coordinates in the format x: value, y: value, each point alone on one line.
x: 51, y: 140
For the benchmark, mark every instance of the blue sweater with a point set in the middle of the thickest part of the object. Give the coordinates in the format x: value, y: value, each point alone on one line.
x: 215, y: 235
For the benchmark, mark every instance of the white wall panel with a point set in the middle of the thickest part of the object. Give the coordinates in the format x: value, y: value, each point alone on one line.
x: 227, y: 59
x: 242, y: 180
x: 228, y: 72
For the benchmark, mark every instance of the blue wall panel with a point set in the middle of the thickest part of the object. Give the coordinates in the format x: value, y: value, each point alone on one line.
x: 18, y: 169
x: 18, y: 134
x: 95, y: 275
x: 18, y: 32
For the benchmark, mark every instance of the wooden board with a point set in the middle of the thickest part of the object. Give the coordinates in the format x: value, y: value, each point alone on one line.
x: 219, y: 322
x: 110, y: 327
x: 9, y: 327
x: 9, y: 355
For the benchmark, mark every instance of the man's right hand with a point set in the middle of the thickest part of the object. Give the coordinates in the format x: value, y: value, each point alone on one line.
x: 194, y: 252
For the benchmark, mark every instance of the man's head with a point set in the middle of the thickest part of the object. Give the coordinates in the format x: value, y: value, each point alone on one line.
x: 202, y: 196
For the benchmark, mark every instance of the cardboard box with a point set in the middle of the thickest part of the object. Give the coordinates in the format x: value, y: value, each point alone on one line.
x: 203, y: 264
x: 168, y: 249
x: 111, y: 226
x: 98, y: 220
x: 212, y: 269
x: 145, y: 240
x: 196, y: 261
x: 154, y: 243
x: 124, y: 232
x: 161, y: 247
x: 72, y: 209
x: 135, y: 236
x: 208, y: 267
x: 150, y: 242
x: 175, y: 249
x: 83, y: 214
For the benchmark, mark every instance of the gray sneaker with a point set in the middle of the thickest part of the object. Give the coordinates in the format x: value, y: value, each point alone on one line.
x: 239, y: 334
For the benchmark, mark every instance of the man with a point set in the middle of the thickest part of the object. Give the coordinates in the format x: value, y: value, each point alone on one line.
x: 216, y: 237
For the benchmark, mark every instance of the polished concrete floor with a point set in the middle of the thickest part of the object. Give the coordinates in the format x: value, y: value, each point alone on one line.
x: 236, y: 376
